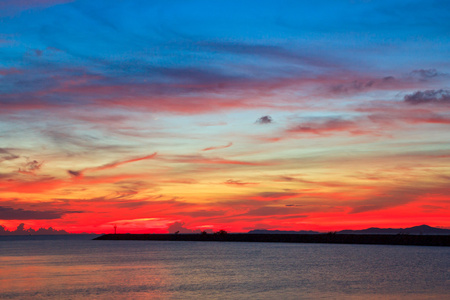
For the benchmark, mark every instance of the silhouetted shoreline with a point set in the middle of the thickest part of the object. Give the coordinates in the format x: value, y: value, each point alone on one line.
x: 329, y: 238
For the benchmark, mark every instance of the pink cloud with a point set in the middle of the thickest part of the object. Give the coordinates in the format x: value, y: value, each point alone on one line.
x: 83, y: 88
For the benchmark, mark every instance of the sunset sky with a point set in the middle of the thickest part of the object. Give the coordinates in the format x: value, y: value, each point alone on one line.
x: 234, y: 115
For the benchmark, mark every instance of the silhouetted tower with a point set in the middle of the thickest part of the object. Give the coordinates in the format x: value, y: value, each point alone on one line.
x: 115, y: 229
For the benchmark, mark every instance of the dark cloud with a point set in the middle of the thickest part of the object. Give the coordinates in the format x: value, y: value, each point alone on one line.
x: 422, y: 74
x: 6, y: 155
x: 357, y: 86
x: 179, y: 227
x: 264, y: 120
x: 30, y: 167
x: 20, y: 230
x: 429, y: 96
x: 74, y: 173
x: 8, y: 213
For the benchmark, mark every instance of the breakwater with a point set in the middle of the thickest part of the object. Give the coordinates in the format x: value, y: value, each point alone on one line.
x: 329, y: 238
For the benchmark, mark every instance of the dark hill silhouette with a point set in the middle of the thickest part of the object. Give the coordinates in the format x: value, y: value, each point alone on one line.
x: 266, y: 231
x: 416, y: 230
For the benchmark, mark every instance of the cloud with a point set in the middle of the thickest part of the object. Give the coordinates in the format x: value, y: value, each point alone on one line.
x: 429, y: 96
x: 31, y: 167
x: 203, y: 213
x: 42, y: 184
x: 274, y: 196
x: 276, y: 211
x: 119, y: 163
x: 11, y: 7
x: 359, y: 85
x: 199, y: 159
x: 309, y: 182
x: 399, y: 196
x: 75, y: 173
x: 389, y: 116
x: 218, y: 147
x: 178, y: 90
x: 425, y: 74
x: 179, y: 227
x: 20, y: 230
x: 180, y: 181
x: 276, y: 53
x: 428, y: 118
x: 6, y: 155
x: 326, y: 126
x: 264, y: 120
x: 238, y: 182
x: 9, y: 71
x: 8, y: 213
x: 109, y: 166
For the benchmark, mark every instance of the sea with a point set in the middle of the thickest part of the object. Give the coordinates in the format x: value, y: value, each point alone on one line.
x: 77, y: 267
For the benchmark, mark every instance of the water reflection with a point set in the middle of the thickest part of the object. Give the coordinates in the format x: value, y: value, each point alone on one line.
x: 190, y: 270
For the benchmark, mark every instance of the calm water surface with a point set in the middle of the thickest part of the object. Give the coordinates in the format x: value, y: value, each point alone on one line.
x: 79, y: 268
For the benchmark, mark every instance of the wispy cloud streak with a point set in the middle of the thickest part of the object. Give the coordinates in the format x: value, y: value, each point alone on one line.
x: 110, y: 165
x: 218, y: 147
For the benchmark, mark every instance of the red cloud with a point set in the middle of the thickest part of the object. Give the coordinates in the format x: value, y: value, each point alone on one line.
x: 218, y: 147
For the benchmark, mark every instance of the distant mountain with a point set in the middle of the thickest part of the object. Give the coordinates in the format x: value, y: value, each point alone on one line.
x: 266, y: 231
x: 416, y: 230
x: 422, y: 229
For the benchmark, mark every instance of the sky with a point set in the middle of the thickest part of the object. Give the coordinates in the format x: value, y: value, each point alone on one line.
x: 234, y: 115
